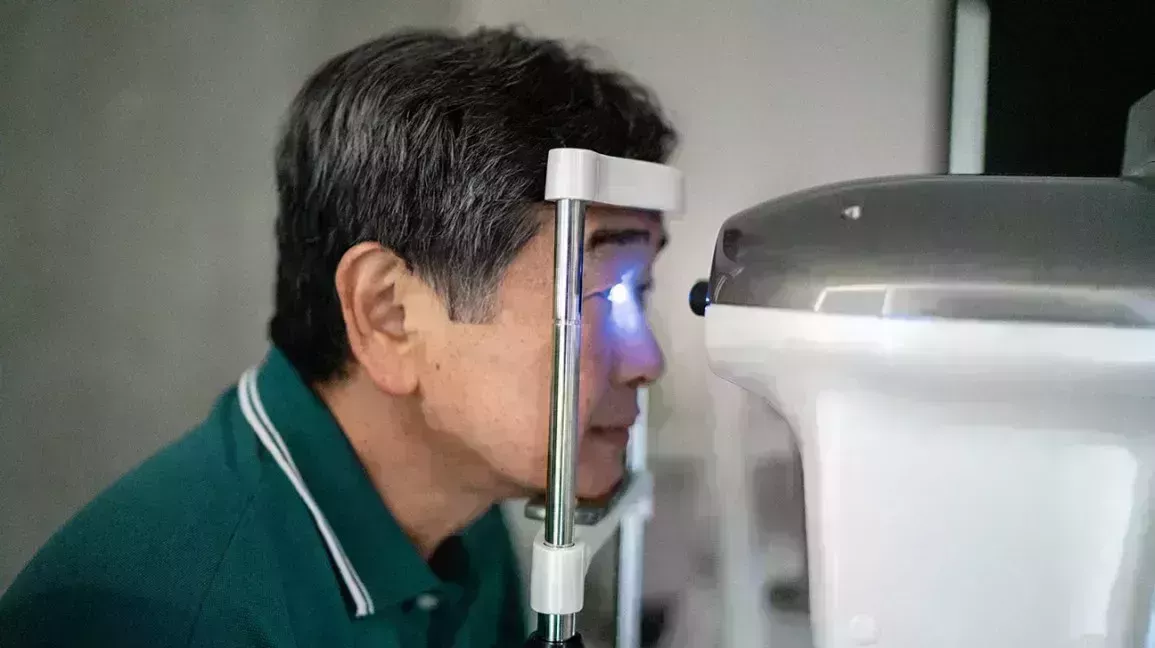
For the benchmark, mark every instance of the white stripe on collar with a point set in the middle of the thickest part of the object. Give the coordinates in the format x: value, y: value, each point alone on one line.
x: 254, y: 411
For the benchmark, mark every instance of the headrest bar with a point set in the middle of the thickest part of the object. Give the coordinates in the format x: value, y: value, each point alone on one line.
x: 578, y: 174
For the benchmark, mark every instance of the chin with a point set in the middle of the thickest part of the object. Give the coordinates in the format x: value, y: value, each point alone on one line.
x: 597, y: 483
x: 596, y: 479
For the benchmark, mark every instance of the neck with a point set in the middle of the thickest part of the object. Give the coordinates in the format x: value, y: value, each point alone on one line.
x: 429, y: 488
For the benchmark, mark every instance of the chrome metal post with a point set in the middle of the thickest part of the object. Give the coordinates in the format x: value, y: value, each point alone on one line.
x: 561, y: 501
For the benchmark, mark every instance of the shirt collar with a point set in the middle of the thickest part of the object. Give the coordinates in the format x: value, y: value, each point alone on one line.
x: 382, y: 559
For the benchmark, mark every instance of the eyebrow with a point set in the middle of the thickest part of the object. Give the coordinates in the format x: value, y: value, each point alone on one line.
x: 605, y: 237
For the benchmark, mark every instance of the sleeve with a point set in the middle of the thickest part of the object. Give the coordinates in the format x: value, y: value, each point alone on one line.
x: 76, y: 617
x: 79, y: 616
x: 230, y: 627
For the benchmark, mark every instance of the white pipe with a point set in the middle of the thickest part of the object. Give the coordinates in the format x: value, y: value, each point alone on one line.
x: 632, y: 538
x: 740, y: 573
x: 968, y: 111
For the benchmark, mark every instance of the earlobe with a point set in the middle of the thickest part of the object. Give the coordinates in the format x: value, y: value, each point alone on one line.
x: 370, y: 282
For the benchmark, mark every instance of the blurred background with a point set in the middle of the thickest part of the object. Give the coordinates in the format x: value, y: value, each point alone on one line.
x: 136, y: 210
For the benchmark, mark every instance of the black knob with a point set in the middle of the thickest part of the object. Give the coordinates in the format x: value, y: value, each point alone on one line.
x: 700, y: 297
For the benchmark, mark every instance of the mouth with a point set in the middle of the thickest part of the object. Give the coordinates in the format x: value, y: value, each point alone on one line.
x: 617, y: 435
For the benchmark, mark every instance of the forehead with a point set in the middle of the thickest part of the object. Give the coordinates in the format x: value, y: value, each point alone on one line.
x: 604, y: 216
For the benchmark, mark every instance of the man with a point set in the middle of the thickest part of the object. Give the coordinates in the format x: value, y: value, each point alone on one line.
x: 344, y: 493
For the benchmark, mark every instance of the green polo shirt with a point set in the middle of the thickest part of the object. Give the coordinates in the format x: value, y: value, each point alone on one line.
x: 210, y: 543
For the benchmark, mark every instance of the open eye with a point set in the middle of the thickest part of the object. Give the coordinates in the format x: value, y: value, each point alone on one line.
x: 625, y: 292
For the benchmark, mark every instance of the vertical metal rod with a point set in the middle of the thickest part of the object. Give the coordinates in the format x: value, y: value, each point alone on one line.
x: 561, y: 500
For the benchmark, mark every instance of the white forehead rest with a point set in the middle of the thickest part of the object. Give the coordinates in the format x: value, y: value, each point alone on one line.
x: 579, y: 174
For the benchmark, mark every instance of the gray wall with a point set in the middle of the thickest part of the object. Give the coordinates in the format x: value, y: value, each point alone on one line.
x: 136, y: 247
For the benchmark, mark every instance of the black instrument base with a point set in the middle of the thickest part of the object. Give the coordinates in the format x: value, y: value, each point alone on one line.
x: 537, y: 641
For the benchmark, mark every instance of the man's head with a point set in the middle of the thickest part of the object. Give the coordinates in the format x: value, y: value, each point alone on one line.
x: 415, y: 253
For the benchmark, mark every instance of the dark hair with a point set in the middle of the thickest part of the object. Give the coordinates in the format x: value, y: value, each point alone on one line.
x: 434, y: 145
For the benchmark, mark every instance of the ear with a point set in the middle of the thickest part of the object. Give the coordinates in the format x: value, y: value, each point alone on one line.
x: 370, y: 285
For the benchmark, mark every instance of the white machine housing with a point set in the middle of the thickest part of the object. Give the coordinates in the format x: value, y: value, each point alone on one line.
x: 968, y: 366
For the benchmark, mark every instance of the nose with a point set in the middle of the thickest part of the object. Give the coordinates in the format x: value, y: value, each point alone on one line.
x: 640, y: 361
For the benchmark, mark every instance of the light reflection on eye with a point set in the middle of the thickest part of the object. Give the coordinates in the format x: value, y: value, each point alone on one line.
x: 619, y: 293
x: 627, y: 305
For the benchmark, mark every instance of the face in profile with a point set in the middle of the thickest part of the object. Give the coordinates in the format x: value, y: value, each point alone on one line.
x: 488, y: 385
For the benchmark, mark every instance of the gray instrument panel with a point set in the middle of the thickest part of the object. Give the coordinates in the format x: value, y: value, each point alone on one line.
x: 1059, y: 250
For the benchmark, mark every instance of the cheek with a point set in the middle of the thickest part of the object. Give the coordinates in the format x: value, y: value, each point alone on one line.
x: 488, y: 387
x: 598, y: 342
x: 519, y: 369
x: 494, y: 383
x: 525, y: 382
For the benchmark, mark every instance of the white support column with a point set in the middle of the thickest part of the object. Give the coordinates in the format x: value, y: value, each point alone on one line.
x: 740, y: 573
x: 968, y: 110
x: 632, y: 537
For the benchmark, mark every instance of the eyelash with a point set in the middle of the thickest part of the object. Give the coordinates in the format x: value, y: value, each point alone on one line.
x: 641, y: 293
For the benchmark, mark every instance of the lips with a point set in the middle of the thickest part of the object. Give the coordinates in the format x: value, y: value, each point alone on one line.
x: 619, y: 419
x: 617, y: 435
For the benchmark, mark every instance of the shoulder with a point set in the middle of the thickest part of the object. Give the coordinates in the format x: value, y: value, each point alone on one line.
x: 137, y: 563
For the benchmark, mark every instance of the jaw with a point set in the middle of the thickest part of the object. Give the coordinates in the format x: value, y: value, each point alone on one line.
x: 599, y: 472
